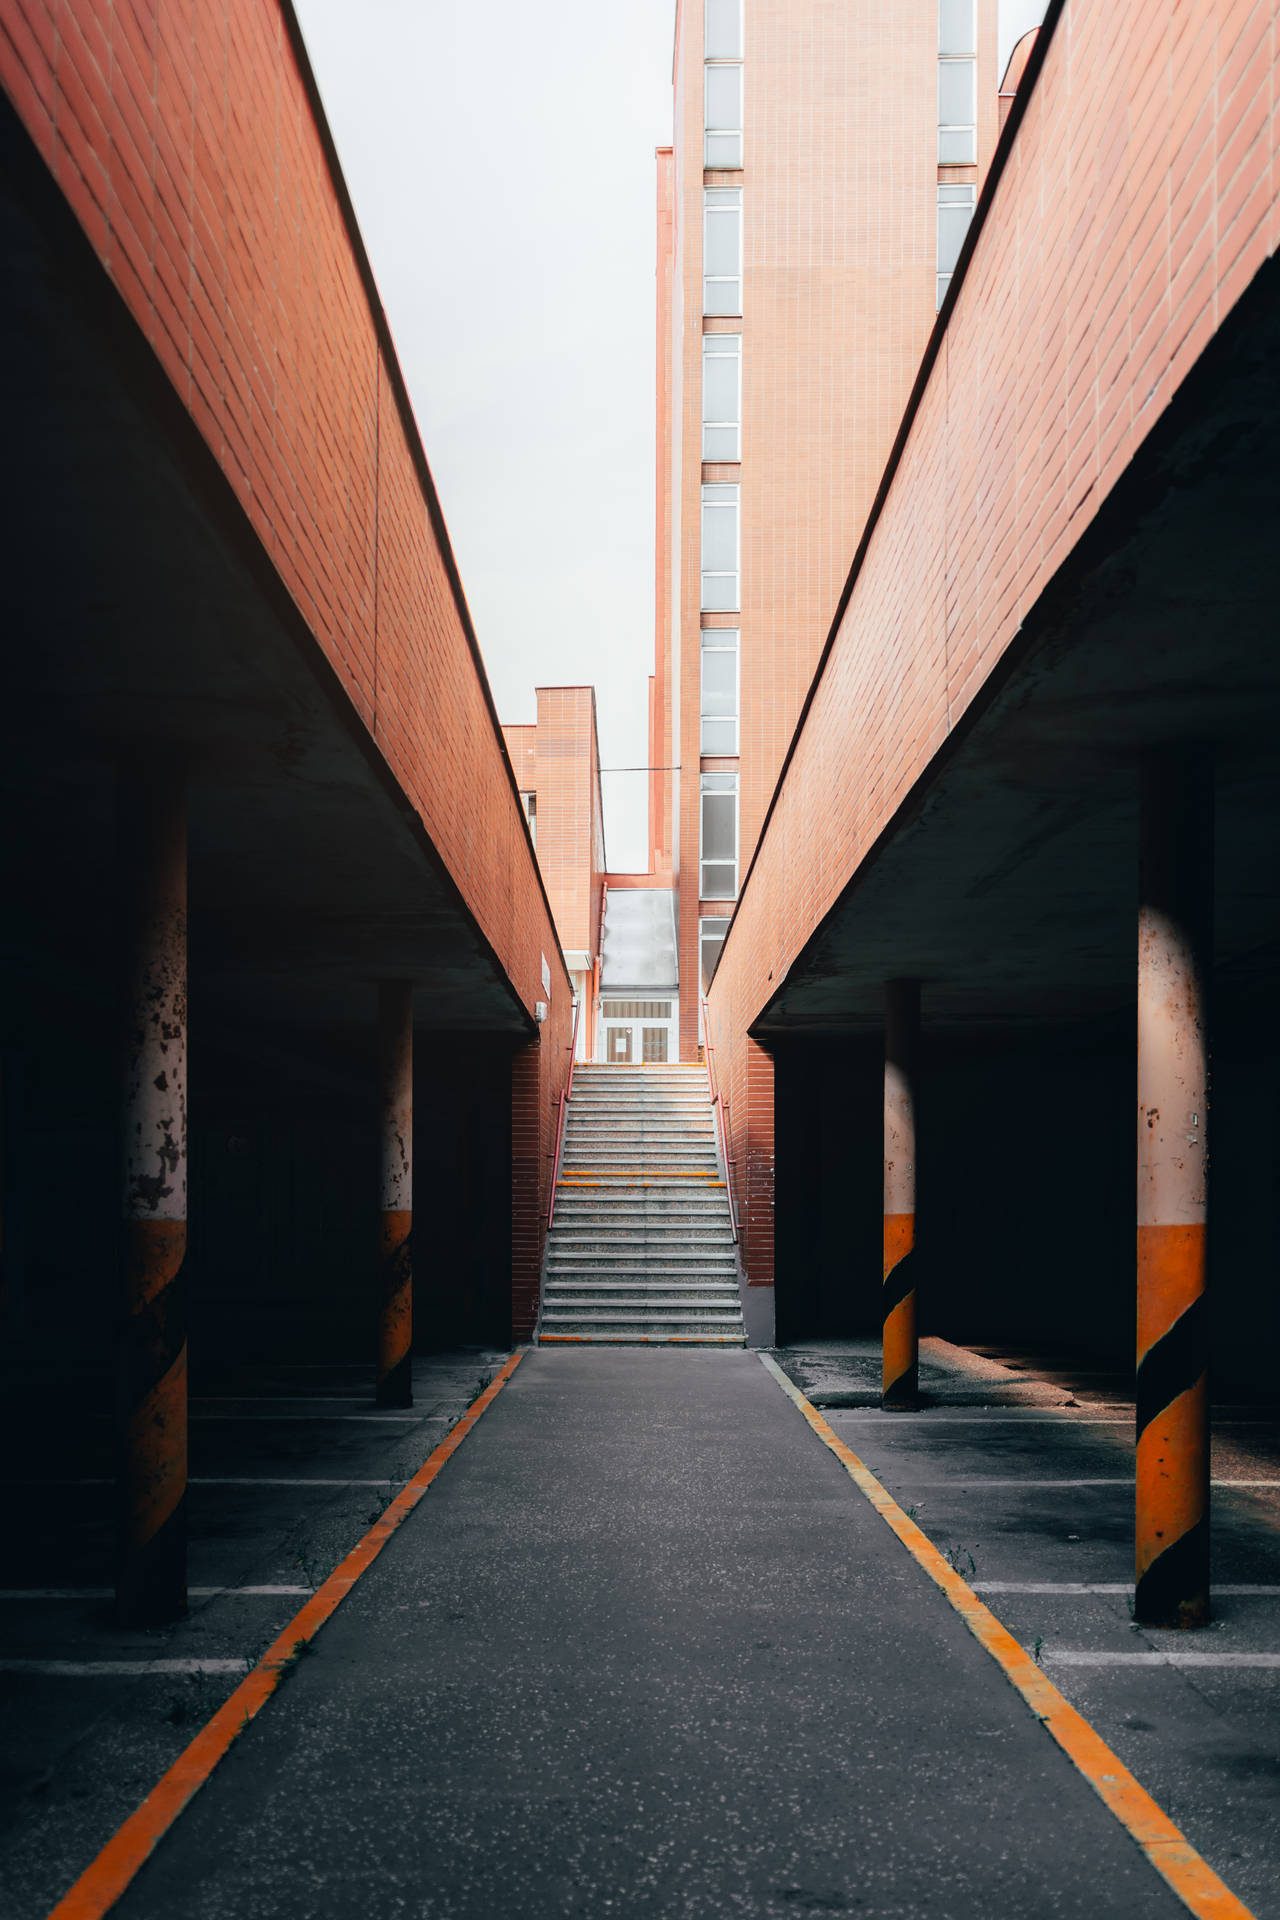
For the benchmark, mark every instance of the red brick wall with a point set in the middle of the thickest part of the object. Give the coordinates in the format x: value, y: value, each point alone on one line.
x: 187, y: 140
x: 570, y: 822
x: 1141, y: 195
x: 532, y: 1104
x: 522, y: 749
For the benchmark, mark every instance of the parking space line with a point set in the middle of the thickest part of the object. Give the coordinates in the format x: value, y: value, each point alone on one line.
x: 364, y: 1419
x: 1105, y: 1586
x: 119, y: 1669
x: 967, y: 1482
x: 108, y: 1593
x: 1165, y: 1846
x: 1154, y: 1657
x: 105, y: 1879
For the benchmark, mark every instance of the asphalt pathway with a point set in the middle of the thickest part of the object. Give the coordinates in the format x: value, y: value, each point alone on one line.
x: 644, y: 1650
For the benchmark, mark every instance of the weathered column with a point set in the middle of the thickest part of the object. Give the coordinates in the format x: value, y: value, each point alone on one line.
x: 395, y: 1151
x: 901, y: 1371
x: 151, y: 1370
x: 1175, y: 931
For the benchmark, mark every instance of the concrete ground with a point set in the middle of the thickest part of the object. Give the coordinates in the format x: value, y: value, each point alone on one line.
x: 847, y: 1373
x: 644, y: 1649
x: 289, y: 1468
x: 1034, y: 1506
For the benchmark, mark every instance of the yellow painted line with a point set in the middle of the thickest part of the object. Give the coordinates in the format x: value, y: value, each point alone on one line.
x: 1166, y: 1847
x: 102, y: 1883
x: 641, y: 1339
x: 616, y: 1173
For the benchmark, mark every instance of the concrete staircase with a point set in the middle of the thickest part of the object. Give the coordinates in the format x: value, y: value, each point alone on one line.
x: 641, y: 1246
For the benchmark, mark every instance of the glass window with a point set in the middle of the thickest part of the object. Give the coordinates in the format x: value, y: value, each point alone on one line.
x: 719, y: 690
x: 721, y: 396
x: 957, y: 112
x: 723, y: 117
x: 720, y: 574
x: 711, y: 933
x: 719, y: 853
x: 955, y: 211
x: 722, y: 250
x: 724, y: 30
x: 529, y: 801
x: 956, y: 30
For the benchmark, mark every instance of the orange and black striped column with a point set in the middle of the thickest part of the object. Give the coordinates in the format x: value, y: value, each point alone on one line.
x: 151, y: 1359
x: 901, y: 1372
x: 1175, y: 930
x: 395, y: 1224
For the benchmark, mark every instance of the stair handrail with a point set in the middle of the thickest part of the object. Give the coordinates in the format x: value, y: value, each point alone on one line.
x: 565, y: 1097
x: 719, y: 1108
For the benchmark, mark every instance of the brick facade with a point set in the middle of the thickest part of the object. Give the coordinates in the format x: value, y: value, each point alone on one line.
x: 1140, y: 196
x: 190, y: 144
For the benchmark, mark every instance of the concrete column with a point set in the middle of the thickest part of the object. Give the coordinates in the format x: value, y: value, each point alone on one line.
x: 1175, y: 933
x: 901, y: 1369
x: 395, y: 1157
x: 151, y: 1374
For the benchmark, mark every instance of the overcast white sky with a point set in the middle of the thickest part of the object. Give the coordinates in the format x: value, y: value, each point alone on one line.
x: 500, y: 159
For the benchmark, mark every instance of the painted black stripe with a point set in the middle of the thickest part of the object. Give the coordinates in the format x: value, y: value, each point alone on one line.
x: 1174, y: 1590
x: 898, y: 1283
x: 397, y: 1267
x: 905, y: 1390
x: 149, y: 1341
x: 1174, y: 1363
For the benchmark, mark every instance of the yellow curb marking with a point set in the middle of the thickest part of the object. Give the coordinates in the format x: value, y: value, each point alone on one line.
x: 1166, y: 1847
x: 106, y: 1878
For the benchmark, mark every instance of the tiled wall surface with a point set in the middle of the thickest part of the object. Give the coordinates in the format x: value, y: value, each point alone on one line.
x: 1140, y: 198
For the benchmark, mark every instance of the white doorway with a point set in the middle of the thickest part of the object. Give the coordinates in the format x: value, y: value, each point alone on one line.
x: 638, y: 1033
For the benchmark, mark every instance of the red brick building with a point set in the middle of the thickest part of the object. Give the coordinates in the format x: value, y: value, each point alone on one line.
x: 557, y: 768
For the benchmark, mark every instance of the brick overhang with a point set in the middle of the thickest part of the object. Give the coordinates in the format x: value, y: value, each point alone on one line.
x: 144, y: 616
x: 1006, y: 880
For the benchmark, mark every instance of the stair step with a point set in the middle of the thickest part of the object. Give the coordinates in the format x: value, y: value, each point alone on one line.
x: 671, y: 1299
x: 642, y: 1247
x: 697, y: 1239
x: 667, y: 1320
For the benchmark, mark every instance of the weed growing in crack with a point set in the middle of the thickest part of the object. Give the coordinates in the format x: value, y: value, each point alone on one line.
x: 960, y: 1560
x: 300, y: 1650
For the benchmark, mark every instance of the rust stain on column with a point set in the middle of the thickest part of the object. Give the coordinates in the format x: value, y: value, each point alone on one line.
x: 395, y: 1148
x: 151, y: 1359
x: 1175, y: 922
x: 900, y: 1374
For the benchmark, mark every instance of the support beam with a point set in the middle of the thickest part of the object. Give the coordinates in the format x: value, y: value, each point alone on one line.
x: 395, y: 1156
x: 1175, y: 939
x: 900, y: 1376
x: 151, y: 1360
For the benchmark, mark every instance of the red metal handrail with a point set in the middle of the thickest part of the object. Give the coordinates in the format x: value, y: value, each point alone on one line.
x: 720, y: 1108
x: 565, y: 1098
